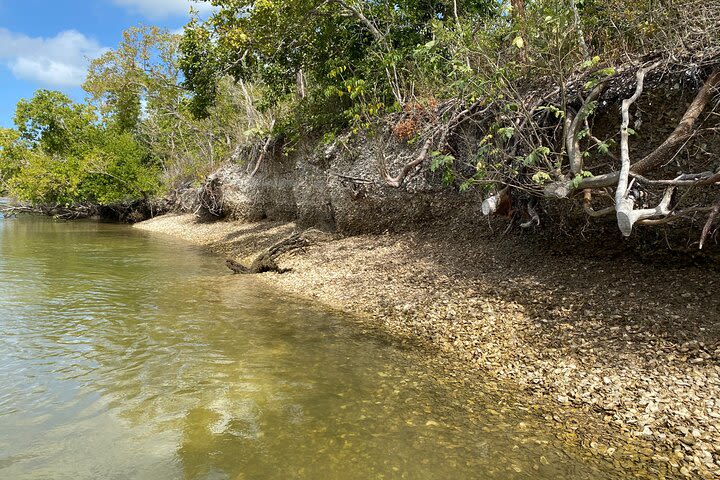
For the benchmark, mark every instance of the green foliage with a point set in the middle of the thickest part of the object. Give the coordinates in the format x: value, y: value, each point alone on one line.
x: 165, y: 109
x: 117, y: 169
x: 353, y: 57
x: 46, y: 180
x: 579, y: 177
x: 444, y: 163
x: 59, y: 154
x: 536, y: 156
x: 10, y: 156
x: 541, y: 177
x: 52, y: 122
x: 141, y: 69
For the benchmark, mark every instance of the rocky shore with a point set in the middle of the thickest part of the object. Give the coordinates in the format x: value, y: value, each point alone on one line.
x: 624, y: 356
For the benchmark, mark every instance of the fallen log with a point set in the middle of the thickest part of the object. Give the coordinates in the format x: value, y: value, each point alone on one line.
x: 266, y: 261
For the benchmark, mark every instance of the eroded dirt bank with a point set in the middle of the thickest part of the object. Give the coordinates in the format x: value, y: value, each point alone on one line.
x: 626, y: 356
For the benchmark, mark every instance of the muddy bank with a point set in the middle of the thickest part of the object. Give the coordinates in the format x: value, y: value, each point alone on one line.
x: 626, y: 356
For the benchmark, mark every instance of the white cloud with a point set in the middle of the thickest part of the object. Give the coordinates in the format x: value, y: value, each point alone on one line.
x: 60, y: 61
x: 157, y: 9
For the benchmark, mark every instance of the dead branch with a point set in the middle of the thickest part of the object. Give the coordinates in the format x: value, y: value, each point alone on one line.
x: 379, y: 37
x: 58, y: 211
x: 686, y: 179
x: 351, y: 179
x: 675, y: 215
x: 14, y: 210
x: 627, y: 217
x: 662, y: 153
x: 261, y: 157
x: 572, y: 125
x: 459, y: 118
x: 211, y: 197
x: 534, y: 218
x: 711, y: 181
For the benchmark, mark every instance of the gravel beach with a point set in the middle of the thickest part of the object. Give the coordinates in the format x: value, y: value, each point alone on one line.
x: 625, y: 355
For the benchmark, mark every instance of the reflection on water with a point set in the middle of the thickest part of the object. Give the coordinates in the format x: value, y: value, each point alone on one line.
x: 129, y: 356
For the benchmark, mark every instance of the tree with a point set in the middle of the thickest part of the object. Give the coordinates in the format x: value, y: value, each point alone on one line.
x: 50, y: 121
x: 60, y: 154
x: 139, y: 74
x: 344, y: 51
x: 10, y: 156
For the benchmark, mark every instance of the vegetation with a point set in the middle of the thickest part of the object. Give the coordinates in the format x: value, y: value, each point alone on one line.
x: 60, y: 153
x: 502, y: 96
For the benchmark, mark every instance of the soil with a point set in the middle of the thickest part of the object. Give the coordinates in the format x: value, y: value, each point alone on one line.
x: 624, y: 355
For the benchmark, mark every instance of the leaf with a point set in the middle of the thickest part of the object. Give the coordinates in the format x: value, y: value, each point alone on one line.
x: 540, y: 178
x: 554, y: 110
x: 506, y: 132
x: 575, y: 183
x: 519, y: 42
x: 439, y: 160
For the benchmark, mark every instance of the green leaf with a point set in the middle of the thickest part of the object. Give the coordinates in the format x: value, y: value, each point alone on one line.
x: 506, y: 132
x: 541, y: 177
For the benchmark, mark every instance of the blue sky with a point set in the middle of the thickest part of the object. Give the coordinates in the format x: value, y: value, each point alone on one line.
x: 48, y: 43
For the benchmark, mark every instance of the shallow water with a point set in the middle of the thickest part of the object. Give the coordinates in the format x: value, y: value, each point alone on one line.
x: 129, y: 355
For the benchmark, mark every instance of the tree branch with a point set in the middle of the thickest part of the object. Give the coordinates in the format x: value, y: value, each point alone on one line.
x: 572, y: 125
x: 665, y: 151
x: 624, y: 200
x: 684, y: 180
x: 684, y: 129
x: 364, y: 20
x: 587, y: 206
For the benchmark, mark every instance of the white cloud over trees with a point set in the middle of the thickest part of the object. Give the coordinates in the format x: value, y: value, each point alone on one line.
x: 59, y: 61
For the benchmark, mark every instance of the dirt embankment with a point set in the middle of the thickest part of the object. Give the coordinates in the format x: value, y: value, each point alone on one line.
x: 625, y: 355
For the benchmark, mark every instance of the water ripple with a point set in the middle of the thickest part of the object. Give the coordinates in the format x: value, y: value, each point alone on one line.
x: 124, y: 356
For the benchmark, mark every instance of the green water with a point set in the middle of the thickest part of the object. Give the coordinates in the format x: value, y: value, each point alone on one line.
x: 127, y: 355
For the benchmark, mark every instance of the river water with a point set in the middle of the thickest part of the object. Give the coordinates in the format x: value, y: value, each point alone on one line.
x: 127, y: 355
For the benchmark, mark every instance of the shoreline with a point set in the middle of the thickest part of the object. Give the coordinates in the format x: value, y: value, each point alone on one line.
x: 626, y: 356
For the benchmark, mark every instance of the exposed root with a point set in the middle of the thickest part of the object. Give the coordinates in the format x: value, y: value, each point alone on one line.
x: 709, y: 224
x: 398, y: 180
x: 684, y: 130
x: 211, y: 198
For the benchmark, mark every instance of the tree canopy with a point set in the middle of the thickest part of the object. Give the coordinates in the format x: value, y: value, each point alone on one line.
x: 519, y: 83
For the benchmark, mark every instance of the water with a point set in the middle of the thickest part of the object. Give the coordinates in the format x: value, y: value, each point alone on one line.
x: 125, y: 355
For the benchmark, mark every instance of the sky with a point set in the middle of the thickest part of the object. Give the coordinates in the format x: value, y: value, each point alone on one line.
x: 49, y: 43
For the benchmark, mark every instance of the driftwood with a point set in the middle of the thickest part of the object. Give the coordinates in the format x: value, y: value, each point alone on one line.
x: 266, y: 261
x: 61, y: 212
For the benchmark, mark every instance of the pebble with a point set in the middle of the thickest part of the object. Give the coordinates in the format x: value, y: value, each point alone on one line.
x: 525, y: 325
